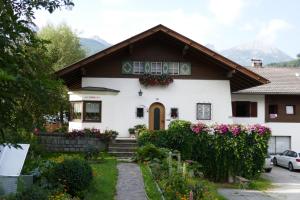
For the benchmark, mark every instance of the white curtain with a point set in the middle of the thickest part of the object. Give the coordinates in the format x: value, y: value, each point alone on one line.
x: 92, y: 107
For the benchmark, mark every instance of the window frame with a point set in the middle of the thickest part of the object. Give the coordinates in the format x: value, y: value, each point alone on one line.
x: 172, y: 67
x: 294, y: 109
x: 140, y: 67
x: 171, y: 113
x: 154, y: 68
x: 210, y: 107
x: 136, y: 112
x: 84, y: 111
x: 269, y: 113
x: 72, y: 111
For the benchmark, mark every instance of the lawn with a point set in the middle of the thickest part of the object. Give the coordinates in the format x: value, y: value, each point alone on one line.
x: 150, y: 186
x: 105, y: 180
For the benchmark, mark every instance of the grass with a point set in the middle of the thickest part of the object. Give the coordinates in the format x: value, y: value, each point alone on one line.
x: 104, y: 183
x: 150, y: 186
x: 260, y: 184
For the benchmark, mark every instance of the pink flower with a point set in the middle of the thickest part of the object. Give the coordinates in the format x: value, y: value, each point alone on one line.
x: 235, y: 129
x: 221, y: 129
x: 198, y: 128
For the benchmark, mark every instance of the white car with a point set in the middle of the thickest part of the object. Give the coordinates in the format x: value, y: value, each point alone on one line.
x: 268, y: 164
x: 289, y: 159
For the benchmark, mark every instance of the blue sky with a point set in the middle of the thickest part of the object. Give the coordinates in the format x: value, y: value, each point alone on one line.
x: 222, y: 23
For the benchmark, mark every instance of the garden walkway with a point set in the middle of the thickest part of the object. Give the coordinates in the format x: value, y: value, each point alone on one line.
x: 130, y: 184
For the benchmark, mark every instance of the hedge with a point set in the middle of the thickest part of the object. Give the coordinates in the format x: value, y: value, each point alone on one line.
x: 223, y: 150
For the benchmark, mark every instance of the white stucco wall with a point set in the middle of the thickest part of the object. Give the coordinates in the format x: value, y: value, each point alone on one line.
x: 278, y: 129
x: 119, y: 109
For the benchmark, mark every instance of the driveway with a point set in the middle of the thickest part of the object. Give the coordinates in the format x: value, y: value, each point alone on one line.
x: 286, y: 183
x: 286, y: 187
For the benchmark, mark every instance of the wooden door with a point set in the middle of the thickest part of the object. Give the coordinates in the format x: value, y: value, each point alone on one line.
x: 157, y: 116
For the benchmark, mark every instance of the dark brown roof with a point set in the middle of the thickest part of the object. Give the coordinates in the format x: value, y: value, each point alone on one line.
x: 97, y: 89
x: 283, y: 80
x: 242, y: 77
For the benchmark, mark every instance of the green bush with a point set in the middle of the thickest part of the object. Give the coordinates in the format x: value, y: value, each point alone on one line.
x: 75, y: 175
x: 177, y: 137
x: 32, y: 193
x: 150, y: 152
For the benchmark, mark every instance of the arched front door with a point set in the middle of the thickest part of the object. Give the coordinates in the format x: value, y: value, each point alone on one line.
x: 157, y: 116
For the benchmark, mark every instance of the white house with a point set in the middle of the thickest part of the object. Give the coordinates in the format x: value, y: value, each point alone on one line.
x: 153, y: 78
x: 276, y: 104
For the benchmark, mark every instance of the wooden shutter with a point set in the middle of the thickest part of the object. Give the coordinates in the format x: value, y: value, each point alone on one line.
x: 233, y: 109
x: 253, y: 109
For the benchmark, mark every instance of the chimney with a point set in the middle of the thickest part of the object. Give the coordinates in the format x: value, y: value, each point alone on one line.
x: 257, y: 63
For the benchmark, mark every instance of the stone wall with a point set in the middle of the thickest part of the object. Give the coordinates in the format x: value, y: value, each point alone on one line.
x: 57, y: 142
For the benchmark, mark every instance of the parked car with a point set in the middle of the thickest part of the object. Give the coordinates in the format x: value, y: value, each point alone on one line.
x: 289, y: 159
x: 268, y: 164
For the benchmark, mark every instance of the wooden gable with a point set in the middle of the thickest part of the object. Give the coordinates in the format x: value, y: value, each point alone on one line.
x: 161, y: 44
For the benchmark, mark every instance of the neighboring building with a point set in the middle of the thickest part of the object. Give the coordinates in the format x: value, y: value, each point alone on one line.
x: 105, y: 91
x: 276, y: 104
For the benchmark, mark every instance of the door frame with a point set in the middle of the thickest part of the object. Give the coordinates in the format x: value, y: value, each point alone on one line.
x: 162, y: 121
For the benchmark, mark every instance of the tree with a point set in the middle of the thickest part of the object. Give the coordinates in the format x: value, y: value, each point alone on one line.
x: 63, y: 47
x: 298, y: 55
x: 28, y: 89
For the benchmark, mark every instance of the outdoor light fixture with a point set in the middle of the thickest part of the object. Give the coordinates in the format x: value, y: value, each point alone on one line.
x: 140, y: 93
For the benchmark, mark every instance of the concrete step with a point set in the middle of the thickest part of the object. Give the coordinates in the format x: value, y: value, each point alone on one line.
x: 122, y: 154
x: 126, y: 141
x: 121, y: 149
x: 121, y: 145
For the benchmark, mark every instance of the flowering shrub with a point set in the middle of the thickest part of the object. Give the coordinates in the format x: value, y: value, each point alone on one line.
x: 152, y: 80
x: 223, y: 150
x: 108, y: 134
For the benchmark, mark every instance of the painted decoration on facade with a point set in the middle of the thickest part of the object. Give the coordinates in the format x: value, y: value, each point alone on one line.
x: 127, y: 67
x: 185, y: 68
x: 171, y: 68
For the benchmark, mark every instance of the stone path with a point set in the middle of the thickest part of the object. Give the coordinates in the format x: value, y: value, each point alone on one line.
x: 236, y: 194
x: 130, y: 184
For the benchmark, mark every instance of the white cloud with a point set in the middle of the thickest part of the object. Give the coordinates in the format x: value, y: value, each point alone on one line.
x: 270, y: 31
x: 226, y: 11
x: 124, y: 24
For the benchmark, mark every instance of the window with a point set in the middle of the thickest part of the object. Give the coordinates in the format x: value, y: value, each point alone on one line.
x: 156, y: 68
x: 138, y: 67
x: 139, y: 112
x: 244, y: 109
x: 290, y: 109
x: 173, y: 68
x: 92, y: 111
x: 76, y: 110
x: 203, y: 111
x: 273, y: 111
x: 174, y: 113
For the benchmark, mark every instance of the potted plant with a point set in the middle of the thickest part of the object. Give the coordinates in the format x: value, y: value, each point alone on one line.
x: 139, y: 128
x: 131, y: 132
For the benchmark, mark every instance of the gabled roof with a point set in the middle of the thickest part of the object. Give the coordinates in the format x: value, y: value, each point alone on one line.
x: 283, y: 80
x: 246, y: 77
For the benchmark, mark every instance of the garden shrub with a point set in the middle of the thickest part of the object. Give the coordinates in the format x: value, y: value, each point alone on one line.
x: 150, y: 152
x: 75, y: 175
x: 177, y: 137
x: 32, y: 193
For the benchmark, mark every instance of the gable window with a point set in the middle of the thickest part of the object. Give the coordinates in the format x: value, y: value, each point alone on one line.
x: 273, y: 111
x: 156, y: 68
x: 138, y: 67
x: 173, y: 68
x: 139, y: 112
x: 76, y: 110
x: 92, y: 111
x: 290, y: 109
x: 203, y: 111
x: 244, y: 109
x: 174, y: 113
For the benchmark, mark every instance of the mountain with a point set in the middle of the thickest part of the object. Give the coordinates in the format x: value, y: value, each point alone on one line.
x: 243, y: 54
x: 292, y: 63
x: 93, y: 45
